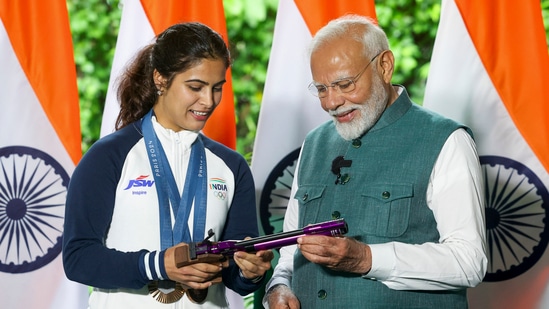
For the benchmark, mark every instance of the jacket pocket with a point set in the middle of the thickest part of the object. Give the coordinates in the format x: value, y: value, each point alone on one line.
x: 386, y: 209
x: 309, y: 198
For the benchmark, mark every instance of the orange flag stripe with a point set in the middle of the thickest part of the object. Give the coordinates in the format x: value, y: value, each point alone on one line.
x: 222, y: 124
x: 39, y: 33
x: 318, y: 13
x: 513, y: 48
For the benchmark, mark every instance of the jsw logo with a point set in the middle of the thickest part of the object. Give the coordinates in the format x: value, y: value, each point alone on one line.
x: 140, y: 181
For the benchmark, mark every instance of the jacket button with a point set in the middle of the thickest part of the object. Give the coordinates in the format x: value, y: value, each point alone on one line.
x: 385, y: 195
x: 336, y: 215
x: 356, y: 143
x: 322, y: 294
x: 305, y: 197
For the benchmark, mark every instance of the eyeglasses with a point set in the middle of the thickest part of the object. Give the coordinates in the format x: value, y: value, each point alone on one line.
x: 343, y: 85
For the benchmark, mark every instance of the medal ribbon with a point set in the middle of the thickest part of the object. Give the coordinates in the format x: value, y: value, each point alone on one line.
x: 195, y: 188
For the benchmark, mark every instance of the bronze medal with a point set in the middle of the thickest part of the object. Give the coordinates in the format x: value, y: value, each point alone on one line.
x: 166, y: 291
x: 197, y: 296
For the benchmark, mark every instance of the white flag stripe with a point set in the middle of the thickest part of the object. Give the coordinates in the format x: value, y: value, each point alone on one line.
x: 135, y: 32
x: 288, y: 111
x: 44, y: 288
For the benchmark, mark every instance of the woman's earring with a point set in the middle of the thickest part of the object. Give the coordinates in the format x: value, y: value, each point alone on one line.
x: 159, y: 92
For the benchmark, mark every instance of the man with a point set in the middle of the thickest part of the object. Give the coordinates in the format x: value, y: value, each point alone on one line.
x: 406, y: 181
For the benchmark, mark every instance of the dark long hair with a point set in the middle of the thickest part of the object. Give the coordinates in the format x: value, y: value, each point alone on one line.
x: 176, y: 50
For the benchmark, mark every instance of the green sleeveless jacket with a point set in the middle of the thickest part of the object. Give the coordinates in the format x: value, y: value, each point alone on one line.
x: 382, y: 198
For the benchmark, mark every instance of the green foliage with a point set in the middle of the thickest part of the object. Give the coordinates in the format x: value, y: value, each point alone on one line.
x: 250, y: 26
x: 411, y: 26
x: 545, y: 14
x: 94, y: 26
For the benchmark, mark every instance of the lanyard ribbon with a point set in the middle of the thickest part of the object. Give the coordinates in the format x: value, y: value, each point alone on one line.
x: 195, y: 189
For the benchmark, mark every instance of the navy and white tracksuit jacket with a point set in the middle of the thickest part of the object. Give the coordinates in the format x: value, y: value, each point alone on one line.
x: 112, y: 235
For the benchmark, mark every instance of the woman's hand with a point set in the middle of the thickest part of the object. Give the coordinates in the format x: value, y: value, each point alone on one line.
x: 195, y: 276
x: 253, y: 265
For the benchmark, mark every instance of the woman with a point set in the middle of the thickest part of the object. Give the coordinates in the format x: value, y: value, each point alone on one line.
x: 157, y: 182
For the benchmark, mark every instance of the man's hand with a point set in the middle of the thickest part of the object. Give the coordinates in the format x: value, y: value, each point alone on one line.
x: 282, y: 297
x: 337, y: 253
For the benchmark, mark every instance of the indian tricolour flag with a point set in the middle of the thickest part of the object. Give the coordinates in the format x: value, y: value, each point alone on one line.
x: 288, y: 111
x: 141, y: 21
x: 39, y: 148
x: 490, y: 70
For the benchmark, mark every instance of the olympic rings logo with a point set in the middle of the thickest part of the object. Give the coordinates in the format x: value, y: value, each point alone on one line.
x: 220, y: 195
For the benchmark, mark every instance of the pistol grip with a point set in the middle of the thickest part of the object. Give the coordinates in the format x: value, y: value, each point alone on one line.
x: 182, y: 256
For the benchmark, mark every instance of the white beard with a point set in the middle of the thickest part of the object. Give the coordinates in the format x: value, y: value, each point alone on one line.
x: 370, y: 111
